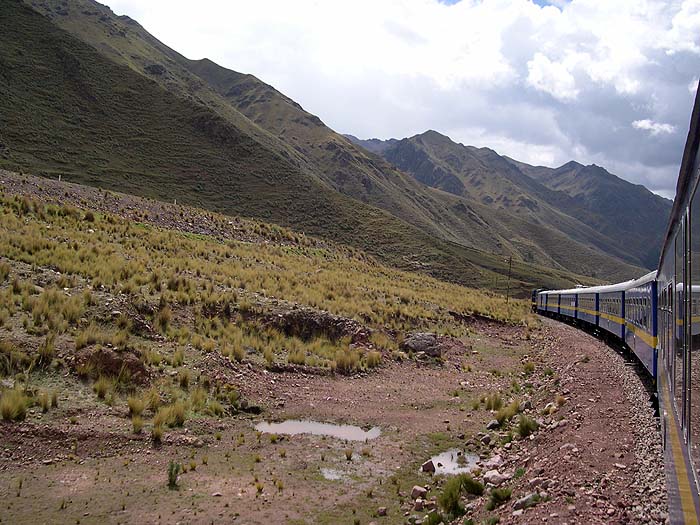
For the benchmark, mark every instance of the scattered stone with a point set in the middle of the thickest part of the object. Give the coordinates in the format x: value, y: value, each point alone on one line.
x: 493, y: 424
x: 381, y: 511
x: 428, y: 466
x: 494, y: 477
x: 418, y: 492
x: 527, y: 501
x: 486, y: 439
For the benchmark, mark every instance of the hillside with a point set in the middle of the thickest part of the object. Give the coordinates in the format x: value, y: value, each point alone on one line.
x: 586, y: 203
x: 70, y: 111
x: 334, y: 160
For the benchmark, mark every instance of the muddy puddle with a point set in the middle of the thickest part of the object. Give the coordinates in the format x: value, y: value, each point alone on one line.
x: 454, y: 461
x: 292, y: 427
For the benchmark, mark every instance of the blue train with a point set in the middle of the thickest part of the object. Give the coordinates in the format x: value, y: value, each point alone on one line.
x: 657, y: 317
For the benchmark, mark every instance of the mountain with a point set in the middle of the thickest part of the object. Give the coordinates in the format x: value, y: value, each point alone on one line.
x: 254, y: 152
x: 586, y: 203
x: 69, y: 110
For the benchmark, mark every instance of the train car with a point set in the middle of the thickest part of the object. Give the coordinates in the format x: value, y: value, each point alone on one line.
x: 611, y: 309
x: 658, y: 318
x: 568, y: 303
x: 588, y: 306
x: 641, y: 320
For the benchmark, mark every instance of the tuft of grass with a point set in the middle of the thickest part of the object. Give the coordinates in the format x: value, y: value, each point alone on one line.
x: 494, y: 402
x: 529, y: 367
x: 560, y: 400
x: 346, y: 361
x: 178, y: 358
x: 13, y: 405
x: 449, y: 498
x: 157, y: 433
x: 373, y: 359
x: 498, y: 497
x: 103, y: 386
x: 507, y: 412
x: 136, y: 405
x: 348, y: 454
x: 183, y: 378
x: 526, y: 426
x: 44, y: 402
x: 137, y: 423
x: 173, y: 472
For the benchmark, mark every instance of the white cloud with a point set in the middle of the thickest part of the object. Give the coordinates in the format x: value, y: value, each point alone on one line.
x: 551, y: 77
x: 652, y: 127
x: 567, y: 79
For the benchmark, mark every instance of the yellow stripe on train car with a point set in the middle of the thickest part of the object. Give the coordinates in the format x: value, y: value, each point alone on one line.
x: 645, y: 336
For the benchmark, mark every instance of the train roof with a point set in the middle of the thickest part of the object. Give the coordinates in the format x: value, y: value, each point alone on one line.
x: 608, y: 288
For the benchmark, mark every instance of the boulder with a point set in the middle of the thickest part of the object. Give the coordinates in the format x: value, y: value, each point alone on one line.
x: 422, y: 342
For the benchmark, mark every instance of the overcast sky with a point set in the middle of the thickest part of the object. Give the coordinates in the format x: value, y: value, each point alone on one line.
x: 609, y: 82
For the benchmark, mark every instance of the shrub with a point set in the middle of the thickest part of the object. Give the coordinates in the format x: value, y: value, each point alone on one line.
x: 136, y: 405
x: 178, y: 358
x: 47, y: 350
x: 183, y: 377
x: 498, y: 497
x: 102, y: 386
x: 13, y: 405
x: 526, y: 426
x: 448, y: 499
x: 157, y: 433
x: 507, y: 412
x: 4, y: 271
x: 471, y: 485
x: 163, y: 318
x: 216, y: 408
x: 373, y: 359
x: 346, y: 361
x: 44, y: 402
x: 173, y: 471
x: 494, y: 402
x: 152, y: 399
x: 297, y: 357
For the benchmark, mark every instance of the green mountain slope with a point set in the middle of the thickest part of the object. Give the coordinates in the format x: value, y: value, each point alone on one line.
x: 327, y: 155
x: 67, y: 109
x: 628, y: 213
x: 591, y: 208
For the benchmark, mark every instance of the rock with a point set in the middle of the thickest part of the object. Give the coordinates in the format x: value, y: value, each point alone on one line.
x: 527, y: 501
x: 428, y: 466
x: 525, y: 405
x: 486, y: 439
x: 381, y: 511
x: 216, y: 495
x: 422, y: 342
x: 418, y: 492
x: 495, y: 462
x: 620, y: 466
x: 418, y: 505
x: 493, y: 424
x: 518, y: 512
x: 494, y: 477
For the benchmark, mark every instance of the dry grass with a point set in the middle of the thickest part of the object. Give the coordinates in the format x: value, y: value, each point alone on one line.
x: 13, y: 405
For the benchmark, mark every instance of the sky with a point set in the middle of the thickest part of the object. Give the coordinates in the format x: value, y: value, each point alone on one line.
x: 545, y: 82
